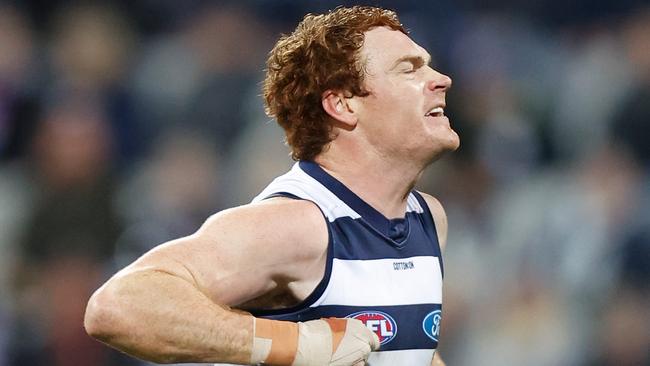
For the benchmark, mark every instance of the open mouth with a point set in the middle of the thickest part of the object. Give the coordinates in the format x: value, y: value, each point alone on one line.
x: 435, y: 112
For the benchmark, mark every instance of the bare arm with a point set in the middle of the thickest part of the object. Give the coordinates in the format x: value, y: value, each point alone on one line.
x: 172, y: 304
x: 437, y: 361
x: 440, y: 219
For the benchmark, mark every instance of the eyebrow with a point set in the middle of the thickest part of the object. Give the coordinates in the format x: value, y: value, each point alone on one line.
x: 417, y: 61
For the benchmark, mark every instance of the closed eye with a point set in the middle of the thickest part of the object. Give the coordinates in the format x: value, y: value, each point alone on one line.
x: 409, y: 63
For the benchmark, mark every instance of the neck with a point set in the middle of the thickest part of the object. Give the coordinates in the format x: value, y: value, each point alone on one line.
x: 381, y: 182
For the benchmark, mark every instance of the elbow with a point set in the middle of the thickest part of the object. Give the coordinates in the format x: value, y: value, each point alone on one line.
x: 100, y: 318
x: 106, y: 320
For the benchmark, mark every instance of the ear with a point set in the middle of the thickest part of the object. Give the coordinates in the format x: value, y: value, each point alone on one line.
x: 338, y: 107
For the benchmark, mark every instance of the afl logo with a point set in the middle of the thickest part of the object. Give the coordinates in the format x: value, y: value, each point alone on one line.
x: 379, y: 322
x: 431, y: 324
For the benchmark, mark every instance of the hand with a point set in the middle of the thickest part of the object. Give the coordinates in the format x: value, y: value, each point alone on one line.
x: 331, y: 341
x: 334, y: 342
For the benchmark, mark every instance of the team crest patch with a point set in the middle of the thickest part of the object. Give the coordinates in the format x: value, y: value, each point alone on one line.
x: 431, y: 324
x: 379, y: 322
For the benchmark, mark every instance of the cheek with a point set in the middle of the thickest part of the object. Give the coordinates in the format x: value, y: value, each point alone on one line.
x: 396, y: 107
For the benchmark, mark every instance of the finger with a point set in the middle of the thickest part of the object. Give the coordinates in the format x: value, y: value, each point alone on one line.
x: 374, y: 343
x: 367, y: 336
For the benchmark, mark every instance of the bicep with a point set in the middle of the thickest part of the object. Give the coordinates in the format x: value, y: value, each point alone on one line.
x: 237, y: 255
x: 223, y: 259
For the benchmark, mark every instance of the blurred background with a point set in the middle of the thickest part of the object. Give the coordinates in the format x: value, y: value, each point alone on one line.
x: 124, y: 124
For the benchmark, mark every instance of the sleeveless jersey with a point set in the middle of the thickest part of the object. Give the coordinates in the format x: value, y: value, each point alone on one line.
x: 386, y: 273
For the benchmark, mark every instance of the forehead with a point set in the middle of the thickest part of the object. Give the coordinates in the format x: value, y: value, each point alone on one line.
x: 383, y: 46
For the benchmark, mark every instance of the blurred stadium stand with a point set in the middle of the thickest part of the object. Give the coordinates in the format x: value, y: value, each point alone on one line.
x: 124, y: 124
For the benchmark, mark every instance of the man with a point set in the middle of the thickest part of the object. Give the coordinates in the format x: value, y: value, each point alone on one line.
x: 336, y: 256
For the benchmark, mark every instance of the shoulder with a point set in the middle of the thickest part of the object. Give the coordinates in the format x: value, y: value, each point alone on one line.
x: 439, y: 217
x: 291, y: 227
x: 244, y: 252
x: 285, y: 215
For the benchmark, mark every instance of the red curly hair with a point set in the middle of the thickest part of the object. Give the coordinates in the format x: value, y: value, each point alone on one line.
x: 321, y: 54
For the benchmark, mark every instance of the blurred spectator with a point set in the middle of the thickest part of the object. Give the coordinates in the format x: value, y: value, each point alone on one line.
x: 622, y: 338
x: 258, y: 155
x: 16, y: 196
x: 204, y: 75
x: 90, y: 47
x: 124, y: 124
x: 170, y: 195
x: 66, y: 240
x: 560, y: 230
x: 17, y: 119
x: 91, y: 50
x: 589, y: 91
x: 18, y: 104
x: 631, y: 123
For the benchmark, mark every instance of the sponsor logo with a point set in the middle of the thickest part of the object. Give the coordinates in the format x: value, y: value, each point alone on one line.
x: 400, y: 266
x: 379, y: 322
x: 431, y: 324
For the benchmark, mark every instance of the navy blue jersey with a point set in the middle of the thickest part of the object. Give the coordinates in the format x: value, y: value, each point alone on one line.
x: 386, y: 273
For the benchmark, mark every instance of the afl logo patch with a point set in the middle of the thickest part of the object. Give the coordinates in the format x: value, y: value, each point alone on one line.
x: 431, y: 324
x: 379, y: 322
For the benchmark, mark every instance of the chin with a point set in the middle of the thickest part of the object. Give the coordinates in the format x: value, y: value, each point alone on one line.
x: 449, y: 141
x: 452, y: 140
x: 454, y: 143
x: 442, y: 146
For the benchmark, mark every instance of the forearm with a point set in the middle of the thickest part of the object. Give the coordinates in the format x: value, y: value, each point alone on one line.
x: 163, y: 318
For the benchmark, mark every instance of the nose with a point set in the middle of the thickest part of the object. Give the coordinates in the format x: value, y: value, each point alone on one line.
x: 439, y: 81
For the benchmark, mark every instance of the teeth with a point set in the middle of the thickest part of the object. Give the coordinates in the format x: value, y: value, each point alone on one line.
x: 438, y: 111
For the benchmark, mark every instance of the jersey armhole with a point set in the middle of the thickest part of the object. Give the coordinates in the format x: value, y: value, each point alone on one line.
x: 433, y: 234
x: 318, y: 291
